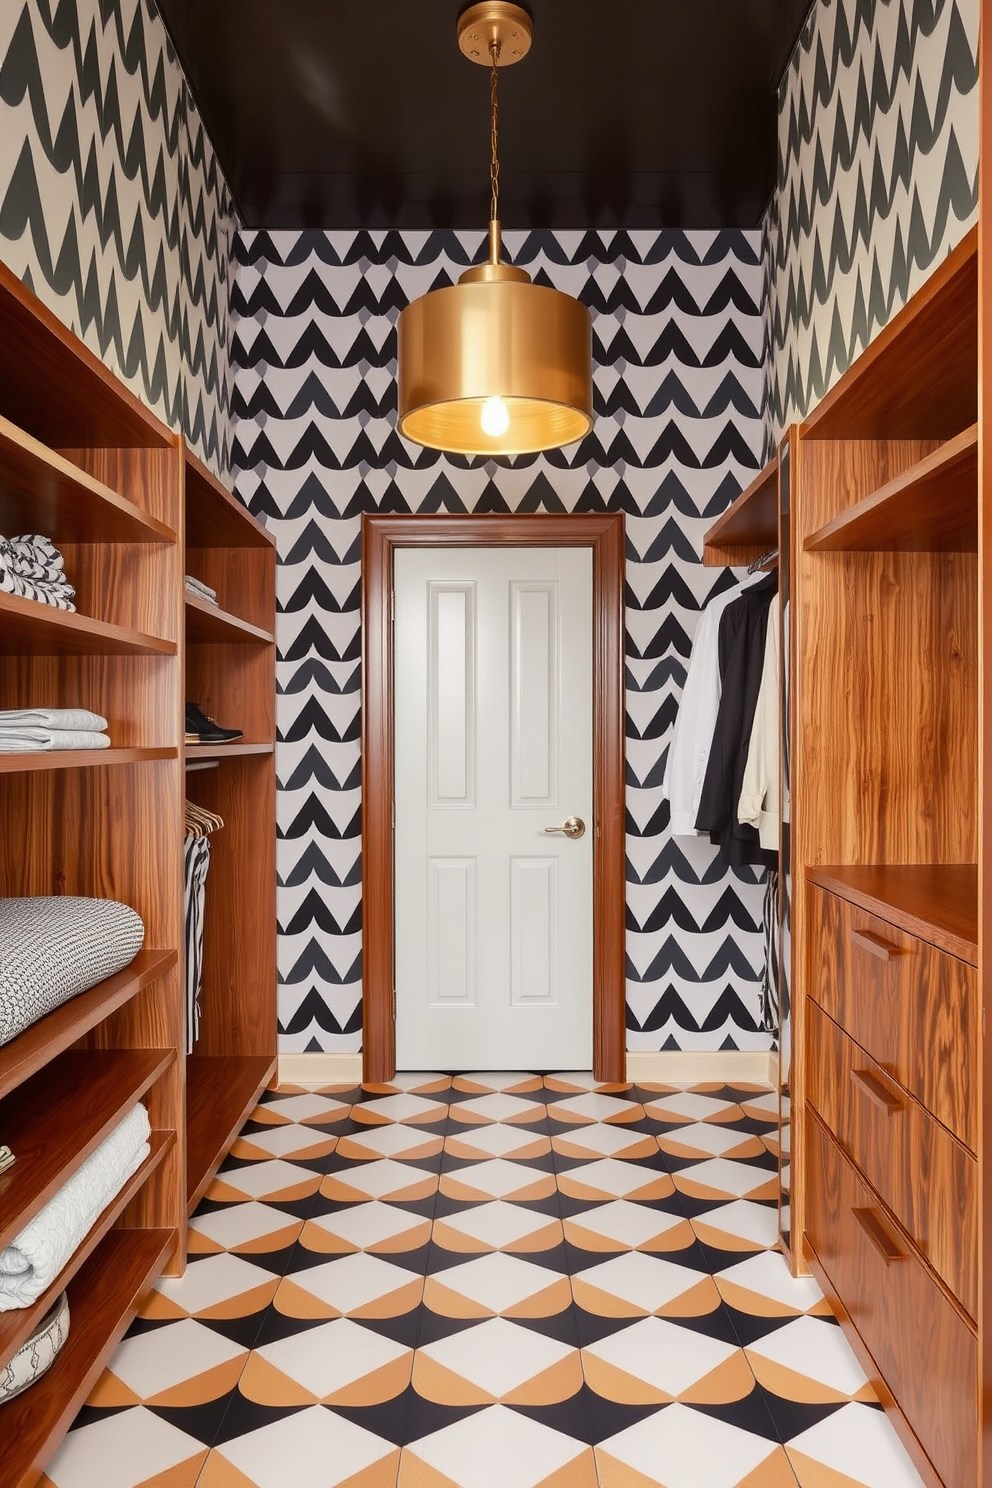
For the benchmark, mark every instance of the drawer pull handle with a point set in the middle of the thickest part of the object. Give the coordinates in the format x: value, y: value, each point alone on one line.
x: 876, y: 1091
x: 876, y: 946
x: 879, y: 1236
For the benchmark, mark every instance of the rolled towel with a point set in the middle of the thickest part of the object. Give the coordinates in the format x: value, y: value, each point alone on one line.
x: 53, y: 718
x: 33, y: 1260
x: 27, y: 740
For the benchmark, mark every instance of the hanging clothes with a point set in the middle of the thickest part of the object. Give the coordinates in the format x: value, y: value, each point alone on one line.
x: 759, y: 799
x: 196, y: 864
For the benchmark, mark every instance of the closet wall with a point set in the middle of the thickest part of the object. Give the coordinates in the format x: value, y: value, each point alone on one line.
x: 877, y: 181
x: 677, y: 349
x: 112, y: 207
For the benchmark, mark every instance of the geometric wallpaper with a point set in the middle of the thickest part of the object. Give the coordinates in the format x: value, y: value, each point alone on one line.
x: 877, y: 180
x: 677, y: 334
x: 112, y: 207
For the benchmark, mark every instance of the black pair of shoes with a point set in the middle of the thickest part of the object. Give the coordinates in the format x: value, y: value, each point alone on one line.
x: 201, y: 729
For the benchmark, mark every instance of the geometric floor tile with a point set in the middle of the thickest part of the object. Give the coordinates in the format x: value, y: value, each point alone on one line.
x: 376, y: 1227
x: 312, y: 1448
x: 612, y: 1178
x: 104, y: 1454
x: 723, y: 1177
x: 679, y: 1447
x: 763, y: 1285
x: 390, y: 1141
x: 498, y: 1106
x: 273, y: 1181
x: 762, y: 1107
x: 810, y: 1360
x: 594, y: 1106
x: 740, y: 1225
x: 214, y: 1286
x: 498, y: 1179
x: 356, y: 1285
x: 581, y: 1080
x: 334, y: 1363
x: 687, y: 1106
x: 381, y: 1179
x: 499, y: 1080
x: 289, y: 1140
x: 497, y: 1448
x: 621, y: 1225
x: 497, y: 1226
x: 497, y: 1284
x: 179, y: 1364
x: 634, y: 1284
x: 602, y: 1139
x: 710, y: 1139
x: 856, y: 1447
x: 654, y: 1361
x: 497, y: 1360
x: 306, y: 1108
x: 402, y: 1107
x: 495, y: 1140
x: 244, y: 1228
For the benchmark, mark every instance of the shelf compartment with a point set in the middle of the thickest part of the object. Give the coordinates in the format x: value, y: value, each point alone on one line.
x: 749, y: 527
x: 41, y: 491
x: 215, y: 518
x: 221, y: 1090
x: 32, y: 1050
x: 28, y: 628
x: 16, y: 1326
x: 103, y: 1299
x: 937, y: 902
x: 79, y: 759
x: 53, y: 1122
x: 218, y: 751
x: 930, y: 508
x: 210, y: 625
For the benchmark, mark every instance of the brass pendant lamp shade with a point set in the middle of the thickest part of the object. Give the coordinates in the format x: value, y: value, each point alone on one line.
x: 495, y: 365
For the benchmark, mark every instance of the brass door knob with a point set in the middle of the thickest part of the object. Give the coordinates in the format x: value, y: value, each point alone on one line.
x: 574, y: 827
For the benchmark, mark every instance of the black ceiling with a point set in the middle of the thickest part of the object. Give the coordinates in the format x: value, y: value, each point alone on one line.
x: 363, y: 113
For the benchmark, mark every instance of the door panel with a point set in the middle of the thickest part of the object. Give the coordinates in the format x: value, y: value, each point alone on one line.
x: 493, y: 743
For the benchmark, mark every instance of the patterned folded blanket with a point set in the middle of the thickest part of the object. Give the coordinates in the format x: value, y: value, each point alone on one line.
x: 31, y: 568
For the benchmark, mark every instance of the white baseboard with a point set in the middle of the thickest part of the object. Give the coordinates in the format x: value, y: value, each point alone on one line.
x: 320, y: 1069
x: 723, y: 1066
x: 673, y: 1067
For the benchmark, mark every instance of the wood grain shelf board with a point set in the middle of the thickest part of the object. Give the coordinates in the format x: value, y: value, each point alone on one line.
x: 103, y: 1299
x: 16, y: 1326
x: 79, y: 759
x: 215, y: 518
x: 930, y: 508
x: 53, y: 1122
x: 55, y: 386
x: 220, y: 1092
x: 41, y: 491
x: 918, y: 379
x: 938, y: 902
x: 28, y: 628
x: 220, y: 751
x: 749, y: 527
x: 31, y: 1051
x: 207, y: 624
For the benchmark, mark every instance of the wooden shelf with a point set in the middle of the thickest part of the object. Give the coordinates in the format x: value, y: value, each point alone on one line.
x: 938, y: 902
x: 28, y: 628
x: 207, y: 623
x: 55, y: 386
x: 16, y: 1326
x: 749, y: 527
x: 932, y: 507
x: 220, y: 751
x: 37, y: 1045
x: 215, y: 518
x: 220, y: 1092
x: 919, y: 378
x: 79, y: 759
x: 53, y: 1122
x: 41, y: 491
x: 102, y: 1301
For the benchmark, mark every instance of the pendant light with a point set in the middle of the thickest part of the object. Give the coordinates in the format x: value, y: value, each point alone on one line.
x: 495, y: 365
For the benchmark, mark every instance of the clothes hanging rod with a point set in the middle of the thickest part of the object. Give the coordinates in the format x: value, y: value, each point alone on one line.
x: 765, y: 561
x: 202, y: 765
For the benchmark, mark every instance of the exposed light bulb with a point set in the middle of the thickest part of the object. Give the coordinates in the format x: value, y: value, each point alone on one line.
x: 495, y: 417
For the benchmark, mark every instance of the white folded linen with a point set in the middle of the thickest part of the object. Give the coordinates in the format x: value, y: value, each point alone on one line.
x: 203, y: 591
x: 34, y: 1258
x: 53, y: 718
x: 27, y: 740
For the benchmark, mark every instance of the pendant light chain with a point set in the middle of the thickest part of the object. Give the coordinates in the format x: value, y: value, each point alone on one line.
x: 494, y: 51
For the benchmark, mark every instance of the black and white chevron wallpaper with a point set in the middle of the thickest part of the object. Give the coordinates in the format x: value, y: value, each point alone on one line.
x: 877, y: 180
x: 678, y: 335
x: 112, y: 206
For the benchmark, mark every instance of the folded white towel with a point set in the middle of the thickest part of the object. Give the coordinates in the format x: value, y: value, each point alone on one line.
x: 203, y: 591
x: 35, y: 1257
x: 27, y: 740
x: 53, y: 718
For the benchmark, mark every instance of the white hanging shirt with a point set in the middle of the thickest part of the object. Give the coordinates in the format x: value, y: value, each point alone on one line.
x: 759, y: 802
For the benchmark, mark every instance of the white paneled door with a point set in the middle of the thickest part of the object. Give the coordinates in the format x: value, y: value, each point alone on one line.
x: 493, y: 743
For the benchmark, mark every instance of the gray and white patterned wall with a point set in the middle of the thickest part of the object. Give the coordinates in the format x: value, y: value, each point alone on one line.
x: 877, y: 180
x: 112, y: 207
x: 677, y: 348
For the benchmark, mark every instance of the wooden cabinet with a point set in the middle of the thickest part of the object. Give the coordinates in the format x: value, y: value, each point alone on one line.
x: 84, y: 462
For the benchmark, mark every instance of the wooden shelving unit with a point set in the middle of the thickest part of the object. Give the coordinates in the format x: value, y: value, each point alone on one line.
x: 84, y: 462
x: 749, y: 527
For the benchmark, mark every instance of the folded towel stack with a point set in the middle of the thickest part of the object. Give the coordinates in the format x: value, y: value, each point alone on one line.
x: 200, y: 589
x: 32, y: 568
x: 34, y: 1258
x: 24, y: 730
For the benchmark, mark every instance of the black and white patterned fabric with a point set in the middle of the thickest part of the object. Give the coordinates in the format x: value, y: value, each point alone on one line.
x: 38, y: 1353
x: 196, y: 864
x: 31, y: 567
x: 51, y: 949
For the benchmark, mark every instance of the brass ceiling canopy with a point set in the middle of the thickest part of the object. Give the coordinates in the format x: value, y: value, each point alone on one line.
x: 495, y: 365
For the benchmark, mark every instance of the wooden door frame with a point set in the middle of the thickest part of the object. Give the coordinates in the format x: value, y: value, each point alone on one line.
x: 381, y: 536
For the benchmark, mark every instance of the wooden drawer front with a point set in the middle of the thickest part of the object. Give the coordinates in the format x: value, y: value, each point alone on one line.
x: 927, y: 1178
x: 914, y: 1008
x: 922, y: 1346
